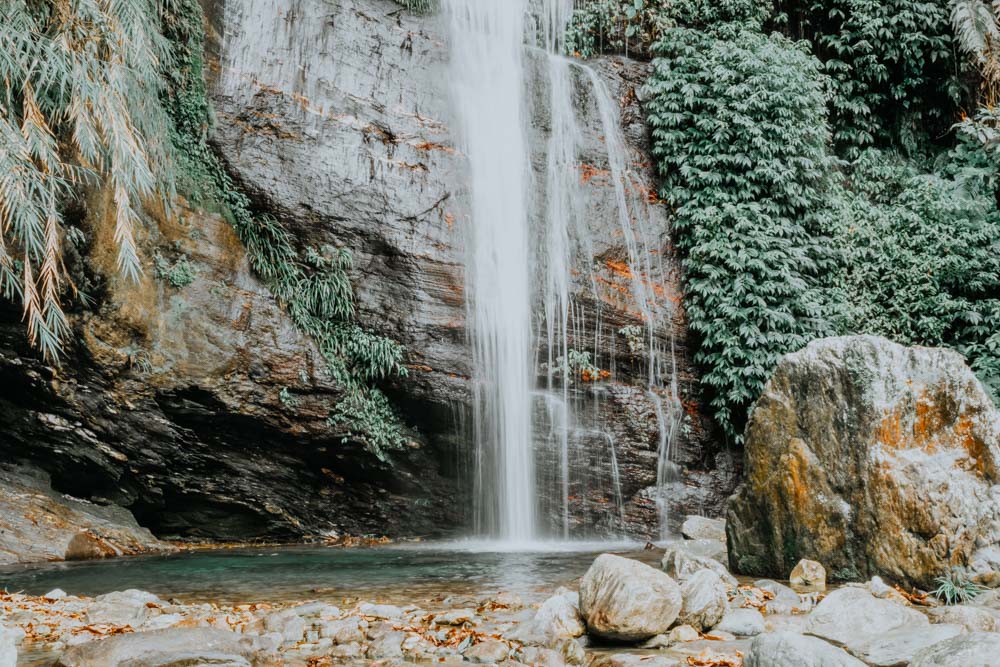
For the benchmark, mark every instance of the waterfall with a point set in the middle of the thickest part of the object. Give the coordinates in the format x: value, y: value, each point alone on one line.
x: 528, y: 253
x: 487, y: 88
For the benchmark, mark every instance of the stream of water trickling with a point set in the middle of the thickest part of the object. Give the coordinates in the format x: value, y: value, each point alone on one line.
x: 529, y: 253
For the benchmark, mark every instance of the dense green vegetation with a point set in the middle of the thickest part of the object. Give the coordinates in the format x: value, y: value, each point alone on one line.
x: 823, y: 177
x: 739, y: 134
x: 112, y: 94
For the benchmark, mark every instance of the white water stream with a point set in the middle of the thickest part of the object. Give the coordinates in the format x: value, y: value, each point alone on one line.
x: 528, y: 238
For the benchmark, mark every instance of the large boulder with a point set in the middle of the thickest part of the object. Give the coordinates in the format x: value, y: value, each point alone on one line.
x: 978, y: 649
x: 702, y: 528
x: 896, y: 648
x: 176, y: 647
x: 681, y: 561
x: 624, y: 599
x: 706, y: 600
x: 872, y: 458
x: 853, y: 618
x: 39, y: 524
x: 557, y: 619
x: 788, y: 649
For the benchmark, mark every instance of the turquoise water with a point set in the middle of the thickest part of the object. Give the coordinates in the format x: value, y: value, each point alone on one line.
x: 389, y: 573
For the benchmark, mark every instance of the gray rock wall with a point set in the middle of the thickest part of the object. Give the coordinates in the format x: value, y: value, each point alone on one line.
x: 333, y: 116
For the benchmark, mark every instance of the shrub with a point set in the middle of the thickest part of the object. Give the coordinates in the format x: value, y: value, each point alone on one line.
x: 894, y: 79
x: 633, y: 26
x: 921, y: 256
x: 739, y: 132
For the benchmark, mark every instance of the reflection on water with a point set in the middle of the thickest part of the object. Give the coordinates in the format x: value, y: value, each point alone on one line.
x: 389, y: 574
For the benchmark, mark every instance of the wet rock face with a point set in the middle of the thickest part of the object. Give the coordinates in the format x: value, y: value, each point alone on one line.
x: 170, y: 404
x: 351, y: 100
x: 38, y: 524
x: 871, y: 458
x: 203, y: 410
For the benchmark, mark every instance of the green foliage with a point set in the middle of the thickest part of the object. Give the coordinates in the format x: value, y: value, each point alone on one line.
x: 893, y: 73
x: 921, y: 257
x: 740, y: 134
x: 419, y: 6
x: 179, y: 275
x: 633, y: 26
x: 634, y: 338
x: 287, y: 398
x: 315, y: 287
x: 79, y: 103
x: 955, y: 588
x: 575, y: 364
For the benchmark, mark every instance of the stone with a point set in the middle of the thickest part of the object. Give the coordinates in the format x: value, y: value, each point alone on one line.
x: 456, y: 617
x: 882, y: 590
x: 703, y: 528
x: 705, y: 598
x: 487, y: 651
x: 55, y: 594
x: 714, y: 549
x: 972, y: 618
x: 9, y: 639
x: 130, y: 607
x: 541, y: 657
x: 872, y: 458
x: 352, y: 629
x: 976, y: 649
x: 557, y: 618
x: 380, y: 611
x: 176, y: 647
x: 896, y: 648
x: 808, y: 574
x: 853, y: 618
x: 289, y: 624
x: 788, y: 649
x: 680, y: 563
x: 388, y: 645
x: 683, y: 633
x: 742, y: 623
x: 38, y: 524
x: 785, y: 600
x: 348, y: 650
x: 623, y: 599
x: 634, y: 660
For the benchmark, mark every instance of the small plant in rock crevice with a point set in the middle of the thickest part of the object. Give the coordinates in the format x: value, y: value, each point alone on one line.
x: 955, y: 588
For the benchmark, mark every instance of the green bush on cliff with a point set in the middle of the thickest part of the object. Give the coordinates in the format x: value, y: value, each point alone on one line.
x: 920, y: 255
x: 633, y: 26
x: 740, y: 134
x: 893, y: 74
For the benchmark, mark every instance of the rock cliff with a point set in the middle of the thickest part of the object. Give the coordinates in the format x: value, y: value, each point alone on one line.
x: 200, y: 407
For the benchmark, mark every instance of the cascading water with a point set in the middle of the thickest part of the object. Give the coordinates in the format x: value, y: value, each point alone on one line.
x: 506, y: 55
x: 487, y: 85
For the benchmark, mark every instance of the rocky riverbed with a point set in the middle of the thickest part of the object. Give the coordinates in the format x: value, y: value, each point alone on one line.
x: 622, y: 613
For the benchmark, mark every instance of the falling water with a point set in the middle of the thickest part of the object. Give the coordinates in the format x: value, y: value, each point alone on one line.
x: 487, y: 87
x: 501, y: 53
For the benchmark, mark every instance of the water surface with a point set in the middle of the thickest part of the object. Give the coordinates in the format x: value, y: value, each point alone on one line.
x: 398, y: 573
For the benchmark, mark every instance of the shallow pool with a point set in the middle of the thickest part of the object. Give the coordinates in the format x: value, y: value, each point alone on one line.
x: 387, y: 573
